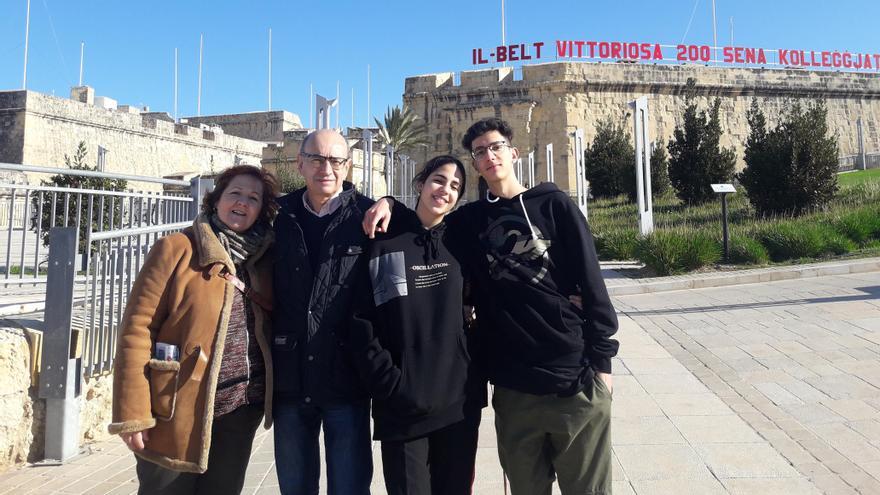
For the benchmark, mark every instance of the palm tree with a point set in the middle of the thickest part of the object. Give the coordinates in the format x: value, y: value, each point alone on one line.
x: 401, y: 130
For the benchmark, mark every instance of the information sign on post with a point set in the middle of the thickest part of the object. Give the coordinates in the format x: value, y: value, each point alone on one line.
x: 724, y: 190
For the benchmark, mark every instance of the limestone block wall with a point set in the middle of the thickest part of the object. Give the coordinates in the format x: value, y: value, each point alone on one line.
x: 550, y: 101
x: 46, y: 128
x: 23, y: 414
x: 258, y: 126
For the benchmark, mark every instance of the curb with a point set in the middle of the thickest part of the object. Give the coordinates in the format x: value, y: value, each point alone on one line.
x: 627, y: 287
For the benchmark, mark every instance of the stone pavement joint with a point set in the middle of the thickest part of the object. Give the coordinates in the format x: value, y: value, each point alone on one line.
x: 810, y: 387
x: 757, y: 389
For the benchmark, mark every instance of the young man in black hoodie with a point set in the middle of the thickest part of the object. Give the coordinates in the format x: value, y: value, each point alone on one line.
x: 550, y: 361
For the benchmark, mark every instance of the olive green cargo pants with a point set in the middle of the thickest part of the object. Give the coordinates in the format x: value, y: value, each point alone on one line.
x: 542, y: 437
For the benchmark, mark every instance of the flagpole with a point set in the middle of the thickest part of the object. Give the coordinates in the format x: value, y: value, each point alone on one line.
x: 714, y: 35
x: 175, y: 85
x: 503, y: 41
x: 82, y: 47
x: 199, y: 99
x: 368, y: 96
x: 270, y: 68
x: 27, y: 28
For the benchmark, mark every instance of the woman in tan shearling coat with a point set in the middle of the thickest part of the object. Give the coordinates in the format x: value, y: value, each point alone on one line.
x: 193, y: 370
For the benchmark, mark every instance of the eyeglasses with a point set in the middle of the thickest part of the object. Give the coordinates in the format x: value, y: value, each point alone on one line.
x: 495, y: 148
x: 317, y: 161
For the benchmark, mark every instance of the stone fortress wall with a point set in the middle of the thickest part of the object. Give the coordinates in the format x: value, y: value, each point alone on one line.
x: 267, y: 126
x: 550, y: 101
x: 38, y: 129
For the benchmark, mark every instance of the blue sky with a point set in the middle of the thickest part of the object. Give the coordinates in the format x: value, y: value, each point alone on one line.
x: 129, y: 45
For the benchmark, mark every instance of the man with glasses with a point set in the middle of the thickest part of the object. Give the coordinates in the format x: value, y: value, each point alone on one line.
x: 550, y: 360
x: 319, y: 249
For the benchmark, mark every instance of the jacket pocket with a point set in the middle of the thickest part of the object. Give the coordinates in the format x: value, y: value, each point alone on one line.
x: 346, y: 259
x: 163, y: 387
x: 285, y: 364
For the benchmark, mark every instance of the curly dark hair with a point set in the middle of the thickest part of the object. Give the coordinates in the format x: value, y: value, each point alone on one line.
x: 483, y: 126
x: 270, y: 190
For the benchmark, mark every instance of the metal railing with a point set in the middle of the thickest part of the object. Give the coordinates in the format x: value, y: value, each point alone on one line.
x: 117, y: 257
x: 30, y: 211
x: 91, y: 267
x: 854, y: 162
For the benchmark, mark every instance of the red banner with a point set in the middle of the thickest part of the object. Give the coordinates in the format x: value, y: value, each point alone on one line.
x: 655, y: 52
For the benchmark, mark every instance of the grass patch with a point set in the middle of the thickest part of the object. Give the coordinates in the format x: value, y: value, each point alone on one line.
x: 850, y: 224
x: 669, y: 252
x: 858, y: 177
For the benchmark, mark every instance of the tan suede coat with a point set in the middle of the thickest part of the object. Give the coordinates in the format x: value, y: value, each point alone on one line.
x: 180, y: 298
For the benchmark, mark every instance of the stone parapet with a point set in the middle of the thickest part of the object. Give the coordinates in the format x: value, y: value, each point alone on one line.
x: 40, y: 129
x: 550, y: 101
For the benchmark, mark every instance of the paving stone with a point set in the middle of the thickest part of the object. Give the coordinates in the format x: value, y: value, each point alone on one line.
x: 846, y: 441
x: 645, y: 430
x: 812, y: 413
x: 671, y: 384
x: 679, y: 487
x: 745, y: 460
x: 705, y: 404
x: 852, y: 409
x: 715, y: 429
x: 844, y: 387
x: 785, y: 486
x: 643, y: 366
x: 661, y: 462
x: 804, y: 391
x: 634, y: 406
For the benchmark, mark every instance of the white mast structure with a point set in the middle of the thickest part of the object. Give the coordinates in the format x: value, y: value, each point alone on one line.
x: 82, y: 47
x: 27, y: 29
x: 199, y: 98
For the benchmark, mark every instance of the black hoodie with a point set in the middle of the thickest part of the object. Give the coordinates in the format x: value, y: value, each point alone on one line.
x: 536, y: 250
x: 409, y: 338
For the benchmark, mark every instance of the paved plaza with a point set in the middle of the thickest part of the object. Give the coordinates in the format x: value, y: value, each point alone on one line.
x: 767, y: 388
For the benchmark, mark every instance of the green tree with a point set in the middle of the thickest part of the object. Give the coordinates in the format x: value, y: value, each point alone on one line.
x: 660, y: 171
x: 289, y: 179
x: 696, y: 159
x: 659, y: 175
x: 792, y: 168
x: 100, y: 218
x: 402, y: 130
x: 609, y: 161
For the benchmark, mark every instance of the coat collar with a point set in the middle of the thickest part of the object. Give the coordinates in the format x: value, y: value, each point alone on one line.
x: 211, y: 254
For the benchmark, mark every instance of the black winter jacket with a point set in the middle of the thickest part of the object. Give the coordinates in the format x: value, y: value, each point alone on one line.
x: 312, y: 310
x: 408, y: 335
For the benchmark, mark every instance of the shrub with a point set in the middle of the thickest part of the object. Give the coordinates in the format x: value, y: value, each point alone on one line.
x: 747, y: 251
x: 792, y: 168
x: 659, y: 175
x: 671, y: 252
x: 860, y: 226
x: 617, y: 245
x: 837, y: 243
x: 696, y: 159
x: 660, y: 171
x: 101, y: 211
x: 792, y: 240
x: 609, y: 161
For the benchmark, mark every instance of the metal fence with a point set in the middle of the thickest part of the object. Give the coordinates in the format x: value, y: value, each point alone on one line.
x: 854, y: 162
x: 116, y: 259
x: 97, y: 244
x: 30, y: 211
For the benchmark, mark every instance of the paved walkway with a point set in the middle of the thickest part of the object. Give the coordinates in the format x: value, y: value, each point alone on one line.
x: 754, y: 389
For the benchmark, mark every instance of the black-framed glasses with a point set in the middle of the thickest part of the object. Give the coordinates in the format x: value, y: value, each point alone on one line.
x: 496, y: 148
x: 317, y: 161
